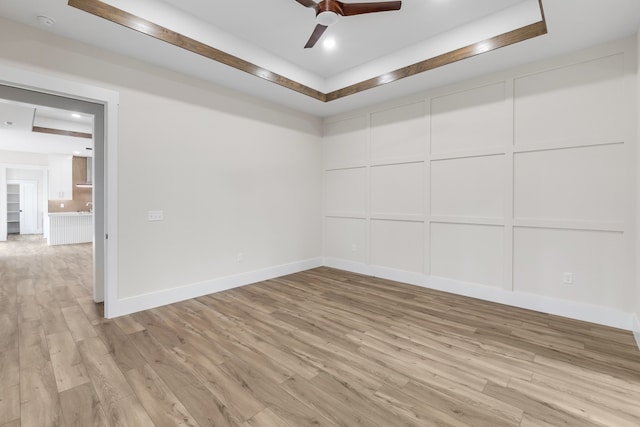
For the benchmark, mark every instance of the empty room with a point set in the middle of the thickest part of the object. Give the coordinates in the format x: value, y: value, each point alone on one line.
x: 319, y: 213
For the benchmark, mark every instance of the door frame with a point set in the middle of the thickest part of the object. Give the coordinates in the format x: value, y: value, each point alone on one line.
x: 4, y: 167
x: 106, y: 172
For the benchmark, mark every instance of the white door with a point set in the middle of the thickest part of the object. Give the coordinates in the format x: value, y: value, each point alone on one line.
x: 29, y: 207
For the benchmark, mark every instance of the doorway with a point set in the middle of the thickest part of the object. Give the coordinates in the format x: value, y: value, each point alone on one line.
x: 20, y: 96
x: 27, y: 87
x: 23, y: 214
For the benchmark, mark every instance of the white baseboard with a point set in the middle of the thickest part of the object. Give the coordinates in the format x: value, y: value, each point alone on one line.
x: 354, y: 267
x: 636, y: 329
x: 571, y: 309
x: 169, y: 296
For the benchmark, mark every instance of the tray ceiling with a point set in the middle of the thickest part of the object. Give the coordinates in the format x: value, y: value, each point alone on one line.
x: 374, y: 49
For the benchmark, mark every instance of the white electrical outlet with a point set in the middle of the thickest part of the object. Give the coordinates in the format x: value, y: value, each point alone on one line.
x: 62, y: 205
x: 240, y: 257
x: 567, y: 278
x: 155, y: 216
x: 354, y: 248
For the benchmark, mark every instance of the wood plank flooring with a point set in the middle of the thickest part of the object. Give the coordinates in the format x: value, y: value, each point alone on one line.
x: 319, y: 348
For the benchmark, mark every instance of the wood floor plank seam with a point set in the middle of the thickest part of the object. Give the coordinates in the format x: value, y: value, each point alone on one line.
x: 322, y: 347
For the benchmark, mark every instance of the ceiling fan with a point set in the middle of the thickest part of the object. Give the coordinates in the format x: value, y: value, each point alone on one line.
x: 328, y: 12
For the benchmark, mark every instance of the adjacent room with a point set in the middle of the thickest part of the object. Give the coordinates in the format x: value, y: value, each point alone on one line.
x: 300, y: 212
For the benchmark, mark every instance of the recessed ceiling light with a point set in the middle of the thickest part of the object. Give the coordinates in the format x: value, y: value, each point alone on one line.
x: 329, y: 43
x: 76, y: 115
x: 76, y: 152
x: 46, y: 20
x: 483, y: 47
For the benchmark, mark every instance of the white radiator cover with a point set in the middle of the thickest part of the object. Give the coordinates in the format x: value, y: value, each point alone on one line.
x: 69, y: 228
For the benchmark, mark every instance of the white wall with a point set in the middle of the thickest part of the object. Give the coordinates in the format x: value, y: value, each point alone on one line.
x: 496, y: 187
x: 233, y: 175
x: 21, y: 158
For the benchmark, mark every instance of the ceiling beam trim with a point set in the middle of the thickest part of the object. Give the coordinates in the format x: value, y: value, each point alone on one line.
x: 521, y: 34
x: 61, y: 132
x: 133, y: 22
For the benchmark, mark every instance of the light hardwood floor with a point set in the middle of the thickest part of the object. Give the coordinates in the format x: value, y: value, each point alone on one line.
x: 320, y: 348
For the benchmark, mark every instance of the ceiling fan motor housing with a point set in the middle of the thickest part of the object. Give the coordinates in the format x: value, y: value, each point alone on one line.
x: 328, y: 12
x: 327, y: 18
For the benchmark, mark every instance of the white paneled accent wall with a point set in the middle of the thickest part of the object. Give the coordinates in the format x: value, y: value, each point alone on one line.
x: 577, y: 103
x: 470, y: 187
x: 345, y: 143
x: 348, y: 238
x: 398, y: 133
x: 468, y: 252
x: 596, y: 259
x: 346, y: 191
x: 398, y: 244
x: 471, y: 120
x: 502, y: 187
x: 398, y: 190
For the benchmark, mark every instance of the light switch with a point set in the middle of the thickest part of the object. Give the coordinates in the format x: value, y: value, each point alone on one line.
x: 567, y: 278
x: 155, y: 216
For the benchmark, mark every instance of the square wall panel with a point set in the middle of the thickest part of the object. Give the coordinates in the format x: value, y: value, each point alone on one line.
x: 345, y: 143
x: 473, y: 119
x: 573, y: 103
x: 398, y: 244
x: 470, y: 187
x: 345, y: 238
x: 345, y: 191
x: 586, y: 183
x: 595, y: 259
x: 471, y: 253
x: 398, y: 189
x: 400, y: 132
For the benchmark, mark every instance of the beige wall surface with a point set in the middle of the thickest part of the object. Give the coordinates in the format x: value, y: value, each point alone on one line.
x: 509, y: 184
x: 238, y: 179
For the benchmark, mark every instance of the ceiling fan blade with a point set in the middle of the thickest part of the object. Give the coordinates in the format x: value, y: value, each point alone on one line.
x: 308, y: 3
x: 315, y: 36
x: 349, y: 9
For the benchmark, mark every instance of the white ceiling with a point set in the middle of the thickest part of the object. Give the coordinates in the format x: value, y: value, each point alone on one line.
x: 18, y: 119
x: 271, y: 34
x: 282, y: 27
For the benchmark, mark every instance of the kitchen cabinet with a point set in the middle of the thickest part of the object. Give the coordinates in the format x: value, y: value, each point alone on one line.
x: 60, y: 177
